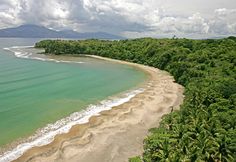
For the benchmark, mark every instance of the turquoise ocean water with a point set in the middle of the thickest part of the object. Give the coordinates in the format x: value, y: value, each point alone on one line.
x: 34, y: 93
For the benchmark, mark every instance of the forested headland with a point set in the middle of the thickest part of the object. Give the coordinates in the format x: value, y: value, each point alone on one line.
x: 204, y: 129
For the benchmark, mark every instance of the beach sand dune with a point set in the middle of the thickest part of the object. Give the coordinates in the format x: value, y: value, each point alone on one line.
x: 116, y: 134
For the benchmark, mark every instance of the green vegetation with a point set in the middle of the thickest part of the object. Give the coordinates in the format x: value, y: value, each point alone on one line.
x: 135, y: 159
x: 204, y: 129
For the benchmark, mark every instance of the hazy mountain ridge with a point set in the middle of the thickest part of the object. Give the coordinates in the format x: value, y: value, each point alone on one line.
x: 34, y: 31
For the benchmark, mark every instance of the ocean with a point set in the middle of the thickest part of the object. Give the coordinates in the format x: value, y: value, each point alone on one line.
x: 42, y: 97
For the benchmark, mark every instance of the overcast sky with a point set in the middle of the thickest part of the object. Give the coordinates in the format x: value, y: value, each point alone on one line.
x: 129, y: 18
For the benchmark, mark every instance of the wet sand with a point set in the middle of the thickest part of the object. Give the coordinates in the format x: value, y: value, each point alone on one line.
x: 116, y: 134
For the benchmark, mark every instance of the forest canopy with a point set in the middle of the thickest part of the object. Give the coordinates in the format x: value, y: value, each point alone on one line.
x: 204, y: 129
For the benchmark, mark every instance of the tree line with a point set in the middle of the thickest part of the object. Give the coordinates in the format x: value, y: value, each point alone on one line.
x: 204, y: 129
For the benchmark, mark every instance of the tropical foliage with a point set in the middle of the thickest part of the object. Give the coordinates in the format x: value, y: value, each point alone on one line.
x: 204, y: 129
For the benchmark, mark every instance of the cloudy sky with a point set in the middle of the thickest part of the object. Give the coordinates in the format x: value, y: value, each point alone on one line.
x: 129, y: 18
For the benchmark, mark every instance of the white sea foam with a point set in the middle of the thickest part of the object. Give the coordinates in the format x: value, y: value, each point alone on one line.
x: 6, y: 48
x: 20, y: 53
x: 47, y: 134
x: 22, y: 47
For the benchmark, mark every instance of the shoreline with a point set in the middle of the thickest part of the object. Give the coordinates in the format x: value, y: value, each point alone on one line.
x: 45, y: 135
x: 119, y: 131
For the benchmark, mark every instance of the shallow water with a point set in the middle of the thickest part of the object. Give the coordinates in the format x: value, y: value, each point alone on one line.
x: 34, y: 93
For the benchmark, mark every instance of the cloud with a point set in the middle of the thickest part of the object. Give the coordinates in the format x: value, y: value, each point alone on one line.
x: 193, y: 24
x: 130, y: 18
x: 9, y: 10
x: 223, y: 21
x: 51, y: 13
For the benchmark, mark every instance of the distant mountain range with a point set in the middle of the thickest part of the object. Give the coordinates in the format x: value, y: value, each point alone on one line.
x: 34, y: 31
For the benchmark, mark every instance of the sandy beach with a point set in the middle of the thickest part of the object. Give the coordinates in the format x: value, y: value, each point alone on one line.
x: 116, y: 134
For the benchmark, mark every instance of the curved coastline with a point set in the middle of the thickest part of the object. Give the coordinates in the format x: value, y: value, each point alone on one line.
x: 44, y: 136
x: 118, y: 133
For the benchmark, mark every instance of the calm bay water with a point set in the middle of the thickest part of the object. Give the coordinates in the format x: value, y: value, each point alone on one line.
x: 34, y: 93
